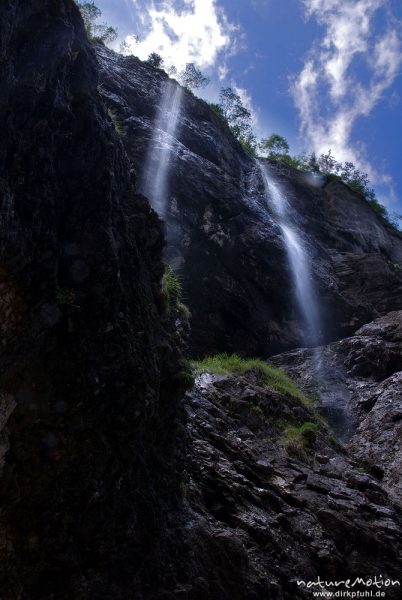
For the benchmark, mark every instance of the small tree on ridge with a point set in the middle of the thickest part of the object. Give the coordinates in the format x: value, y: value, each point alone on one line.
x: 155, y: 60
x: 96, y: 31
x: 192, y: 78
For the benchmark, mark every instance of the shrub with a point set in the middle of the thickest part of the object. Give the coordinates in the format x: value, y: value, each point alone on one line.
x: 184, y: 311
x: 327, y: 165
x: 286, y: 159
x: 217, y: 109
x: 155, y: 60
x: 357, y: 180
x: 105, y: 33
x: 183, y: 380
x: 171, y: 287
x: 378, y: 208
x: 172, y: 294
x: 249, y: 144
x: 295, y: 449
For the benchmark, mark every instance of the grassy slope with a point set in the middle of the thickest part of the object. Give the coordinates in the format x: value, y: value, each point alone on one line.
x: 232, y: 364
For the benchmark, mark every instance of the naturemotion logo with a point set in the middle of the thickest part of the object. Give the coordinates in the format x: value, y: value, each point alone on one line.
x: 370, y: 587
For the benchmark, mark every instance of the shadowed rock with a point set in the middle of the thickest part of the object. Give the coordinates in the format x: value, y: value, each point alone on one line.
x: 87, y: 403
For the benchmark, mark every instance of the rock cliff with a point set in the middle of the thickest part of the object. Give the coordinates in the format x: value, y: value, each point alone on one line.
x: 223, y: 238
x: 89, y: 376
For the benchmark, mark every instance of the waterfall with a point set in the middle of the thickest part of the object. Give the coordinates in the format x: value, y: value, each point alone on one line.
x: 156, y: 172
x: 333, y: 393
x: 297, y: 256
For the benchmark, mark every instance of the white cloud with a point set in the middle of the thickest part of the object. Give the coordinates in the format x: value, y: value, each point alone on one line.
x: 330, y: 93
x: 194, y: 31
x: 223, y: 71
x: 247, y: 102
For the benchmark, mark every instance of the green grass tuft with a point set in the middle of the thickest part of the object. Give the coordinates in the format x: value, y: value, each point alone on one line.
x: 298, y: 439
x: 305, y: 433
x: 172, y: 295
x: 232, y: 364
x: 257, y: 410
x: 184, y: 311
x: 171, y: 288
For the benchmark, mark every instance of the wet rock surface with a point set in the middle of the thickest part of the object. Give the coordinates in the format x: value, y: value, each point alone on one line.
x: 260, y: 518
x: 366, y: 386
x: 223, y: 237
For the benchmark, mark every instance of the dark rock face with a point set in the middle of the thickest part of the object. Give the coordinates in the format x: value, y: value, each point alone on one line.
x: 368, y: 369
x: 222, y: 234
x: 262, y: 519
x: 88, y: 406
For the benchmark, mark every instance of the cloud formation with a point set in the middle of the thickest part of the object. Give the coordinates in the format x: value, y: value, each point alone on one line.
x: 247, y: 101
x: 345, y: 75
x: 183, y: 31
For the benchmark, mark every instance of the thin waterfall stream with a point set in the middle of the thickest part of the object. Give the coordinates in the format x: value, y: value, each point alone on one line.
x: 334, y: 398
x: 157, y: 166
x: 297, y: 256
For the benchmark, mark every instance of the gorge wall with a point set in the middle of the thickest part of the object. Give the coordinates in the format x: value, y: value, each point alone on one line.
x: 89, y: 376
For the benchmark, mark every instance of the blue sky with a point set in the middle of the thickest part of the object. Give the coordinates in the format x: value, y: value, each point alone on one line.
x: 323, y: 73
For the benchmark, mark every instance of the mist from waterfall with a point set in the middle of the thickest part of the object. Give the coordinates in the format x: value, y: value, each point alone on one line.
x: 157, y: 165
x: 297, y: 256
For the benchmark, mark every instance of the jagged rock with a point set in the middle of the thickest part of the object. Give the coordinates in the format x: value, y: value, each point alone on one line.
x: 368, y: 366
x: 223, y: 237
x: 377, y: 441
x: 288, y: 516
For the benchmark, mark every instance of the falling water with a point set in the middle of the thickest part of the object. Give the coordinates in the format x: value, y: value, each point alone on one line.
x: 331, y: 389
x: 156, y: 172
x: 297, y: 258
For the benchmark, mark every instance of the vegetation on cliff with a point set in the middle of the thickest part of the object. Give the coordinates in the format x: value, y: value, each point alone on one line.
x: 232, y: 364
x: 172, y: 294
x: 101, y: 32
